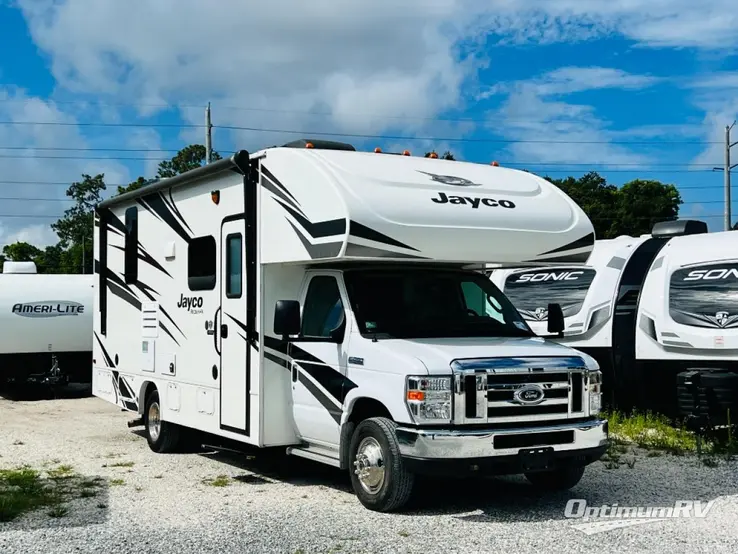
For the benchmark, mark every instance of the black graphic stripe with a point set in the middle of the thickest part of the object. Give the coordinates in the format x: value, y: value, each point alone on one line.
x: 142, y: 202
x: 132, y: 406
x: 174, y: 208
x: 320, y: 250
x: 361, y: 251
x: 239, y: 323
x: 269, y: 185
x: 334, y: 412
x: 583, y: 242
x: 125, y: 295
x: 277, y: 360
x: 125, y: 390
x: 334, y: 382
x: 168, y: 332
x: 147, y: 258
x: 269, y: 175
x: 581, y: 257
x: 108, y: 359
x: 173, y: 323
x: 320, y: 229
x: 157, y: 204
x: 362, y: 231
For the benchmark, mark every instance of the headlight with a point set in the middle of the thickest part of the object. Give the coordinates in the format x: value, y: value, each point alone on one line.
x: 594, y: 387
x: 429, y: 399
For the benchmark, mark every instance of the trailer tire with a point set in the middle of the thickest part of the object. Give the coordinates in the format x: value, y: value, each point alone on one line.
x: 386, y: 485
x: 561, y: 479
x: 163, y: 437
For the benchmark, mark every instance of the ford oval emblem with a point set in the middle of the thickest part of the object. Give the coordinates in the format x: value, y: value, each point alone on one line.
x: 529, y: 394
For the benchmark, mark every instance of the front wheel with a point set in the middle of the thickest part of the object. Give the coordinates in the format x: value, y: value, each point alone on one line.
x: 378, y: 476
x: 561, y: 479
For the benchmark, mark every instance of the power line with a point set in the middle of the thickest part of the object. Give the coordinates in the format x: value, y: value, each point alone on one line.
x: 350, y: 135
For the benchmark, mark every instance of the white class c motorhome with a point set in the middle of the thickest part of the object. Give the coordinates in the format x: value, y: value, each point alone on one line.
x: 325, y: 300
x: 45, y: 326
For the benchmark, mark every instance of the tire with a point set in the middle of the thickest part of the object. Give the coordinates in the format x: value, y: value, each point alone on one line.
x: 374, y: 446
x: 561, y: 479
x: 166, y: 437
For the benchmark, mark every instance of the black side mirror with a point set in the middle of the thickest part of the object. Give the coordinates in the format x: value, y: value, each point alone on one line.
x: 287, y: 318
x: 556, y: 322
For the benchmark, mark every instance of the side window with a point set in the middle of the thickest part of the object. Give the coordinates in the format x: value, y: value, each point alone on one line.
x: 201, y: 263
x: 323, y: 311
x: 234, y: 265
x: 131, y: 246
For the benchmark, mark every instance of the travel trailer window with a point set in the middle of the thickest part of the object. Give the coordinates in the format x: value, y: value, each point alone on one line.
x: 532, y: 291
x: 423, y: 303
x: 705, y: 296
x: 130, y: 254
x: 323, y: 310
x: 234, y: 251
x: 201, y: 263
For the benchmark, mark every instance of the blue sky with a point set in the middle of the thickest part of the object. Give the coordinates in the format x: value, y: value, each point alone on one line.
x: 559, y: 88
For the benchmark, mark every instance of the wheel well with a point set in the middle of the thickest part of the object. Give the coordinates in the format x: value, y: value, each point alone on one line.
x: 146, y: 389
x: 363, y: 408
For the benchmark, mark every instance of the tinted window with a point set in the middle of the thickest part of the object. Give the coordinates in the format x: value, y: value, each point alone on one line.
x: 424, y: 303
x: 705, y: 296
x: 131, y: 246
x: 532, y: 291
x: 323, y: 310
x: 234, y: 265
x: 201, y: 263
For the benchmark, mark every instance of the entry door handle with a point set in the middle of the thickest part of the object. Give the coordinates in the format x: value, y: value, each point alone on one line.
x: 223, y: 331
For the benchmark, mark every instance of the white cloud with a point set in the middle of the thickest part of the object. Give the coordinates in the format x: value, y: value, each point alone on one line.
x: 30, y: 203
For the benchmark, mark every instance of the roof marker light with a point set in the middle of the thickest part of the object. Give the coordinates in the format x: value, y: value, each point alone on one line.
x: 433, y: 155
x: 309, y: 145
x: 377, y: 150
x: 496, y: 164
x: 406, y: 152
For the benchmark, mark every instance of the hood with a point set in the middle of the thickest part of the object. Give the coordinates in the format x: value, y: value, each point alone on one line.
x: 437, y: 354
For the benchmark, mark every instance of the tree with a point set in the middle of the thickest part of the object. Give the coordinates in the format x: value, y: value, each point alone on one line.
x: 446, y: 155
x: 21, y: 252
x: 629, y: 210
x: 190, y: 157
x: 135, y: 185
x: 75, y: 229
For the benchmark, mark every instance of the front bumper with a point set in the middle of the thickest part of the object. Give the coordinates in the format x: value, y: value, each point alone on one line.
x: 582, y: 442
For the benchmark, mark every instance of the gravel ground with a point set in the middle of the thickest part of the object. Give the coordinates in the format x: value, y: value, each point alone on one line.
x: 163, y: 505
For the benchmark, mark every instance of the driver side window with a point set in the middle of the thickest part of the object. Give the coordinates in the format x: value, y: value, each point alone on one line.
x: 323, y: 311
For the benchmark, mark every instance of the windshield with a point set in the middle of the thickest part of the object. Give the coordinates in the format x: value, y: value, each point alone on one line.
x: 431, y: 303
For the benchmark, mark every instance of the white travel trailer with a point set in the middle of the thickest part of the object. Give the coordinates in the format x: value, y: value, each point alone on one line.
x: 321, y: 299
x: 46, y: 323
x: 602, y: 300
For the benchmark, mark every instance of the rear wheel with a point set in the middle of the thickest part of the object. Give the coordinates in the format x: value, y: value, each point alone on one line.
x: 561, y: 479
x: 378, y: 476
x: 162, y: 436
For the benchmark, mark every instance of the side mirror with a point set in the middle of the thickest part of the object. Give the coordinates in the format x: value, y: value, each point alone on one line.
x: 287, y: 318
x: 556, y: 322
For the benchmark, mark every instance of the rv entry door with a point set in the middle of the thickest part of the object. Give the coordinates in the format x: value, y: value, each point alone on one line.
x: 233, y: 344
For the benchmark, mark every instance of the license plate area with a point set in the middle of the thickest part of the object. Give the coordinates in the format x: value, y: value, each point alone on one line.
x: 536, y: 459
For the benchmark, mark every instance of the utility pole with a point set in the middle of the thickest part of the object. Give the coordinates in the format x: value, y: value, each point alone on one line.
x: 208, y: 136
x: 726, y: 176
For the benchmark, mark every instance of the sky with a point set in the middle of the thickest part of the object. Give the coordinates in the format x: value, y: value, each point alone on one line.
x: 627, y: 88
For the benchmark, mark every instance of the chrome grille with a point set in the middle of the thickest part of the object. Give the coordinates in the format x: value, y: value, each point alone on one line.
x: 500, y: 390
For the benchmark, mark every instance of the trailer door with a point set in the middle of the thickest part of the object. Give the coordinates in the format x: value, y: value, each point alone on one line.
x: 234, y: 382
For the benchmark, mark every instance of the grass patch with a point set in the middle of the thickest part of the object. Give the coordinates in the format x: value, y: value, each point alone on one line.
x: 117, y: 482
x: 120, y: 464
x: 219, y: 481
x: 24, y: 490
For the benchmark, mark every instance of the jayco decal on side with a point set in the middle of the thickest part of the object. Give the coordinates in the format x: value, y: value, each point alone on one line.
x: 192, y: 304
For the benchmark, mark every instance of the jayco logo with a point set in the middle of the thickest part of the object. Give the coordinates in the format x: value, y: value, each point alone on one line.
x: 538, y: 277
x: 192, y: 304
x: 473, y: 201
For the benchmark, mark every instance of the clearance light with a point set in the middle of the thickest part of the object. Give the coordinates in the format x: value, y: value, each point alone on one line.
x: 406, y: 152
x: 433, y: 155
x: 215, y: 196
x: 309, y: 145
x: 496, y: 164
x: 377, y: 150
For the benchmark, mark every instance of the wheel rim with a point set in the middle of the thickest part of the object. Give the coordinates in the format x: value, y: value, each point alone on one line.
x: 154, y: 421
x: 369, y: 465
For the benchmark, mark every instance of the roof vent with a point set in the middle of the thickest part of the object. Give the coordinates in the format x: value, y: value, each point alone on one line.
x: 19, y: 267
x: 318, y: 144
x: 679, y: 227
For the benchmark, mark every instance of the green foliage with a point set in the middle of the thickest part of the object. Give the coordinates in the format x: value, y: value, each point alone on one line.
x: 446, y: 155
x: 629, y: 210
